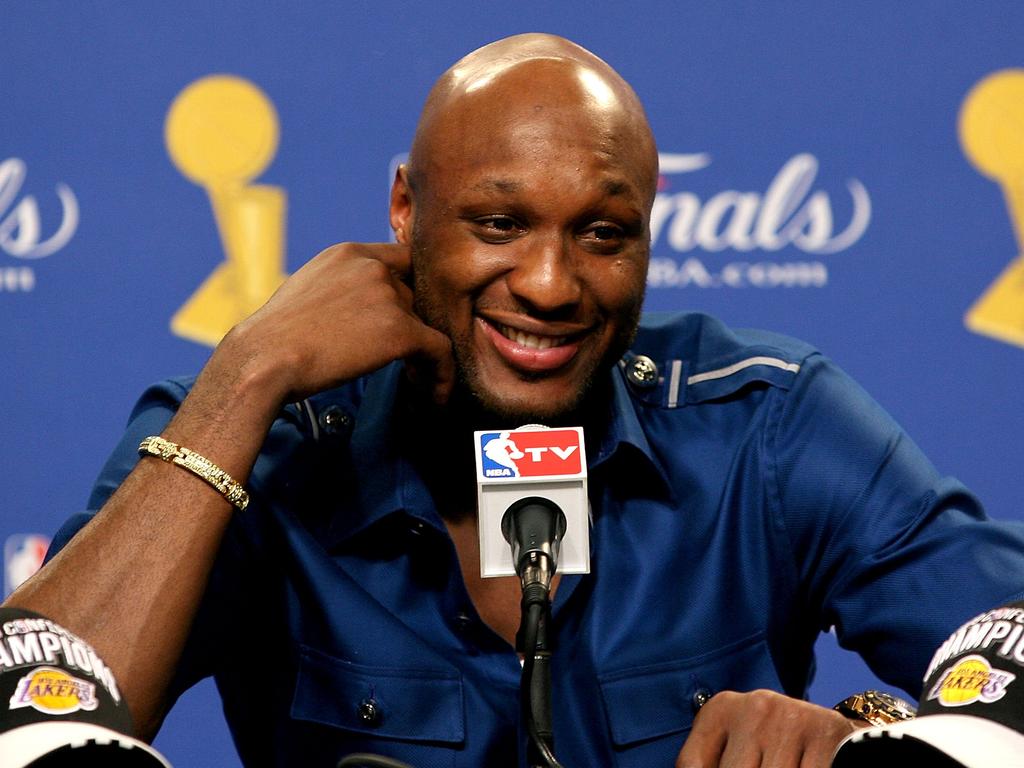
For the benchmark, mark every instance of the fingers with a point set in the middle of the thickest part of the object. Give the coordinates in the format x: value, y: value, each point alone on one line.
x: 762, y: 729
x: 705, y: 743
x: 397, y: 257
x: 427, y: 351
x: 345, y: 313
x: 394, y: 256
x: 430, y: 363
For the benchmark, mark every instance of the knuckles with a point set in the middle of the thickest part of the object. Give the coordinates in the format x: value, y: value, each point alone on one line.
x: 760, y: 705
x: 770, y: 722
x: 345, y: 313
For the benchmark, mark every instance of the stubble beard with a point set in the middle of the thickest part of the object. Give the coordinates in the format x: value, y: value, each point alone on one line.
x: 480, y: 405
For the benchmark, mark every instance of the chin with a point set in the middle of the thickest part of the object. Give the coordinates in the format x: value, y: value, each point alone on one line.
x: 498, y: 408
x: 516, y: 413
x: 497, y: 397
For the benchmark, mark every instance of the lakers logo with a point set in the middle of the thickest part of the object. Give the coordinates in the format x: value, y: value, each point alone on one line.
x: 992, y: 136
x: 221, y: 132
x: 971, y: 679
x: 53, y: 692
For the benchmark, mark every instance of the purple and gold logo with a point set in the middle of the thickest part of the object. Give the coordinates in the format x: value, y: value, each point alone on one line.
x: 54, y: 692
x: 969, y: 680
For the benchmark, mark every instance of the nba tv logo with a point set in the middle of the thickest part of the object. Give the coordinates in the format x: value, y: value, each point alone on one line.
x: 530, y: 453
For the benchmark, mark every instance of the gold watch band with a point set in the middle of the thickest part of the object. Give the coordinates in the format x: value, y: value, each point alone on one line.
x: 876, y: 708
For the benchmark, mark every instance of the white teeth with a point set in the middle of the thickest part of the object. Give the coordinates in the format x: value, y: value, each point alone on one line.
x: 529, y: 340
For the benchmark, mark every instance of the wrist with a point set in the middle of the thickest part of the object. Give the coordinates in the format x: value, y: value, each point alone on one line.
x: 232, y: 491
x: 229, y: 409
x: 255, y: 369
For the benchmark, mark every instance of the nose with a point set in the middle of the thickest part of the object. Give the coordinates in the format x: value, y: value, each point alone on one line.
x: 545, y: 277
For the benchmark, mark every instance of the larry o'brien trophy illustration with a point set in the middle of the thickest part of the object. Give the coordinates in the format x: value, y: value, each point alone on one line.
x: 221, y: 132
x: 992, y: 137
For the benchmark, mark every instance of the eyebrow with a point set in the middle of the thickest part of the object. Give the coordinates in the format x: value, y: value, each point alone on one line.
x: 506, y: 186
x: 613, y: 187
x: 509, y: 186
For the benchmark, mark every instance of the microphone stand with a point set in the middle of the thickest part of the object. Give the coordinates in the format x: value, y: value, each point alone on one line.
x: 534, y: 527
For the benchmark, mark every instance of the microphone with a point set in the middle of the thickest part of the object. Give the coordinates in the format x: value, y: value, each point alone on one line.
x: 525, y: 479
x: 534, y: 526
x: 549, y: 467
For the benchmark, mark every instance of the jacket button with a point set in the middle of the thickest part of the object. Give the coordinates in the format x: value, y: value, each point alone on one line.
x: 369, y: 712
x: 700, y: 697
x: 334, y: 421
x: 642, y: 372
x: 463, y: 621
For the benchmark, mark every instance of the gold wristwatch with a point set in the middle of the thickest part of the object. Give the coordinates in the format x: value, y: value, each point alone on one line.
x: 875, y: 707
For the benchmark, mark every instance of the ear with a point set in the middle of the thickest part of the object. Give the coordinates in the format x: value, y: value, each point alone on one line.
x: 402, y: 206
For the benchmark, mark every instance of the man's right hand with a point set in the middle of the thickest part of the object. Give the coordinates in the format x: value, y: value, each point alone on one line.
x: 763, y: 729
x: 139, y: 569
x: 347, y: 312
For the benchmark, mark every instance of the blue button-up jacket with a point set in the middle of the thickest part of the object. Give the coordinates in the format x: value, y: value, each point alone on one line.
x: 749, y: 499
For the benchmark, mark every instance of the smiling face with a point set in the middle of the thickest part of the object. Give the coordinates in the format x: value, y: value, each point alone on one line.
x: 529, y: 203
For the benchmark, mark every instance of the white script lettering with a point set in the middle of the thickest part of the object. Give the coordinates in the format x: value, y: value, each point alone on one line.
x: 20, y: 228
x: 788, y: 213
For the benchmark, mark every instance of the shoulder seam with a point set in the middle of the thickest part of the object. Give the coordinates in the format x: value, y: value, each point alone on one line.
x: 729, y: 370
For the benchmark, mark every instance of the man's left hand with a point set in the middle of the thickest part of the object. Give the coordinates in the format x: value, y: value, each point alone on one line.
x: 762, y: 728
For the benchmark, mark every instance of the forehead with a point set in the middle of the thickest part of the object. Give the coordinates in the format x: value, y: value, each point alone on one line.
x: 546, y: 119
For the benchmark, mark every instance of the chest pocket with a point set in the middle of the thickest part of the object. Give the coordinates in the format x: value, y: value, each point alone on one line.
x: 403, y: 713
x: 650, y: 709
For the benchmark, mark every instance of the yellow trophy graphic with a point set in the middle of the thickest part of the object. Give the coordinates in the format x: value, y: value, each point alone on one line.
x: 221, y: 132
x: 992, y: 137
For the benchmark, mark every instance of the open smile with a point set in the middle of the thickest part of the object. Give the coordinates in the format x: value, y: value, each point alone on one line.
x: 528, y: 339
x: 528, y: 350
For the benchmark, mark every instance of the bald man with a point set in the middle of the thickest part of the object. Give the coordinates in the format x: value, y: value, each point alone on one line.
x: 740, y: 499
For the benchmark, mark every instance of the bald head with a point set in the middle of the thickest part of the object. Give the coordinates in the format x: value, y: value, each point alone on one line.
x: 511, y: 83
x: 526, y: 206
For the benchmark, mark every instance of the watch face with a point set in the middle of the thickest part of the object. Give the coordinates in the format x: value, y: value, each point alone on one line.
x: 890, y: 705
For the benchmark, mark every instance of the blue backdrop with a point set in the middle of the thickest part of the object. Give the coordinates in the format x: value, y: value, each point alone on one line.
x: 814, y: 182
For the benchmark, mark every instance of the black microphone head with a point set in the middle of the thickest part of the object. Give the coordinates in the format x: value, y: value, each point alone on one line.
x: 533, y: 524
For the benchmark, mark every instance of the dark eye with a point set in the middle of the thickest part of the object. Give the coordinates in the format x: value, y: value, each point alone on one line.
x: 501, y: 223
x: 606, y: 232
x: 603, y: 236
x: 496, y: 228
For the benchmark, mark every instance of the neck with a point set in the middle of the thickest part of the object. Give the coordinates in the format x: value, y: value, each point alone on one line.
x: 447, y: 462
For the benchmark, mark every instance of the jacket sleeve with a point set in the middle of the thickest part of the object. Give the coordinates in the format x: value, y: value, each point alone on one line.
x: 890, y: 553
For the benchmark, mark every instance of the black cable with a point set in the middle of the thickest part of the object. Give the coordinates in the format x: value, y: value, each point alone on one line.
x: 531, y: 623
x: 533, y: 612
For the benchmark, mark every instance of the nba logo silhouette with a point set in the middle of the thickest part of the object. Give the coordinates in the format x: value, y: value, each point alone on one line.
x: 23, y: 556
x: 530, y: 453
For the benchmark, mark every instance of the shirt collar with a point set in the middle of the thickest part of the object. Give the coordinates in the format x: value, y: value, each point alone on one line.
x: 385, y: 482
x: 624, y: 446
